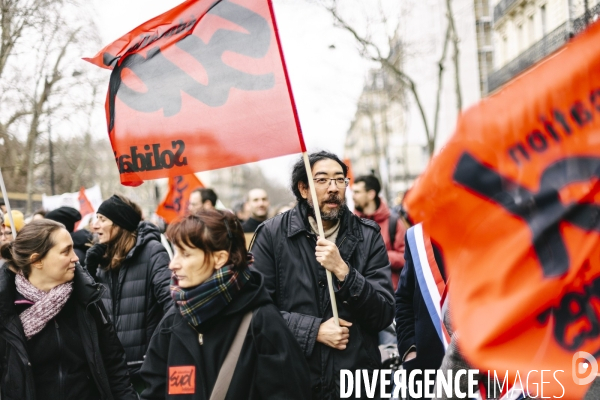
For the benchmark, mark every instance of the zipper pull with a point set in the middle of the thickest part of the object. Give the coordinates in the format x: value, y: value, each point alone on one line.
x: 200, y: 339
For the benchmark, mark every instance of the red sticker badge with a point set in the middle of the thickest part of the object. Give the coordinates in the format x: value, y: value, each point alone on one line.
x: 182, y: 380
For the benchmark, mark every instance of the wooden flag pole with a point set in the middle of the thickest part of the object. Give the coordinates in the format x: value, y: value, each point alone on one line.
x: 313, y: 194
x: 7, y: 203
x: 311, y: 183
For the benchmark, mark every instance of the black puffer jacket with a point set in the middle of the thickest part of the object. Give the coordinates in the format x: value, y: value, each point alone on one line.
x: 270, y: 366
x: 90, y: 358
x: 284, y: 252
x: 138, y: 293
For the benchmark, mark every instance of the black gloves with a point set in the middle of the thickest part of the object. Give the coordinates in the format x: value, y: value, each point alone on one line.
x: 95, y: 257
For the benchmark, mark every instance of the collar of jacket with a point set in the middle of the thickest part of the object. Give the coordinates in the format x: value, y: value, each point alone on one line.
x: 298, y: 223
x: 146, y: 232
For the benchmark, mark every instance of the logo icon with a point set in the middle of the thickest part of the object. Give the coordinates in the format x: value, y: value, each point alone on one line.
x: 584, y: 368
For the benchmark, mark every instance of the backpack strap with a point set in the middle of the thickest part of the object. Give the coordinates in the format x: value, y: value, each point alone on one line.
x: 393, y: 225
x: 226, y: 372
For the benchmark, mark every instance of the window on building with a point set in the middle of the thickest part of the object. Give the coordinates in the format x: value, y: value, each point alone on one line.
x: 543, y: 18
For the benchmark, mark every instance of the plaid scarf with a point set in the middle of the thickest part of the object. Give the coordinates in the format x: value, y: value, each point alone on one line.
x: 206, y: 300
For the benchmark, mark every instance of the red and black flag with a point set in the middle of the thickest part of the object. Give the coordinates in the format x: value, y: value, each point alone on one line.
x: 200, y: 87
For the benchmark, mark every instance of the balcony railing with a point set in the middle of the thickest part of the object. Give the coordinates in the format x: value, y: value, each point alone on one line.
x: 548, y: 44
x: 579, y: 24
x: 502, y: 8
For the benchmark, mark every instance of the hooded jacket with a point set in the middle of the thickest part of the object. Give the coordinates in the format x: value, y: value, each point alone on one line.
x: 271, y: 364
x: 102, y: 354
x: 395, y: 252
x: 138, y: 293
x: 284, y: 252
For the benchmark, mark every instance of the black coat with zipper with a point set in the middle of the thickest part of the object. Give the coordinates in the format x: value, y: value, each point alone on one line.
x: 138, y: 294
x: 270, y: 366
x: 79, y: 334
x: 284, y: 252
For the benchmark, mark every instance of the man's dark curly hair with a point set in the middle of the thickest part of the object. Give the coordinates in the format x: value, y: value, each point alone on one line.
x: 299, y: 171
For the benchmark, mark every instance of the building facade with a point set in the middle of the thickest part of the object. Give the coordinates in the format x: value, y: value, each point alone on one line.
x: 526, y: 31
x: 376, y: 141
x: 388, y: 134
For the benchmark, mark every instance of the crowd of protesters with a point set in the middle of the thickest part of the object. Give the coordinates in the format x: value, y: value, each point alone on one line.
x: 239, y: 310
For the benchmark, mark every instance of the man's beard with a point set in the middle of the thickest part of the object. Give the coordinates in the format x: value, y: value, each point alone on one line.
x: 332, y: 215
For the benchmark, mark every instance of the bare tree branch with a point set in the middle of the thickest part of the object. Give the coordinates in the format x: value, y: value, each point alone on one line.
x: 403, y: 78
x: 455, y: 55
x: 439, y: 89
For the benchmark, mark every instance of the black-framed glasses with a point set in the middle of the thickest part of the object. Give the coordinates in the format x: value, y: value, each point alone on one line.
x: 325, y: 182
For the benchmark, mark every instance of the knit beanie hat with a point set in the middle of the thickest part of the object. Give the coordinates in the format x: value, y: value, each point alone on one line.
x: 17, y: 217
x: 120, y: 214
x: 66, y: 216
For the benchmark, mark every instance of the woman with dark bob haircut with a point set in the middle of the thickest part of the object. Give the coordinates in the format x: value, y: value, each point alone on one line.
x: 56, y: 341
x: 217, y: 297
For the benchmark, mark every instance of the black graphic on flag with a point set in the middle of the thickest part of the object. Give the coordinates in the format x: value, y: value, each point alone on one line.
x: 543, y: 211
x: 165, y: 81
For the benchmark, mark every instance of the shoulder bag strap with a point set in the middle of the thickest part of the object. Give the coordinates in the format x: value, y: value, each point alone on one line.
x: 226, y: 372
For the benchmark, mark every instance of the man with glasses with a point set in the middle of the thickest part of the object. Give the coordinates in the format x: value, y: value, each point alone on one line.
x: 293, y: 261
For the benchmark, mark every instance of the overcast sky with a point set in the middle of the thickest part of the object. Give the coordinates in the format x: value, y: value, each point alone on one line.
x: 324, y: 66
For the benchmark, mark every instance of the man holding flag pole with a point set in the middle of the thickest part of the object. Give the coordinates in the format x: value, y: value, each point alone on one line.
x: 204, y: 86
x: 295, y: 256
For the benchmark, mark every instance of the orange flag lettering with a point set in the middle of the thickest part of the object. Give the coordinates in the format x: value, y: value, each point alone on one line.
x: 175, y: 205
x: 200, y: 87
x: 513, y: 199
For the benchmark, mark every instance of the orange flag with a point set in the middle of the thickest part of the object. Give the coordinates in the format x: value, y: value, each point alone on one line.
x: 85, y: 207
x: 348, y: 162
x: 200, y: 87
x: 513, y: 199
x: 176, y: 203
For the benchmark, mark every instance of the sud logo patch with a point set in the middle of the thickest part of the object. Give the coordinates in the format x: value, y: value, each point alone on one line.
x: 182, y: 380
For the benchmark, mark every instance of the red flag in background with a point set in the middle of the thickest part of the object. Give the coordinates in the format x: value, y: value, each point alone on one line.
x: 350, y: 171
x: 176, y: 203
x: 85, y: 206
x: 200, y: 87
x: 513, y: 200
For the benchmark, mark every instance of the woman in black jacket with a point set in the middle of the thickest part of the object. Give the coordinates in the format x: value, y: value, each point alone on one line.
x: 213, y: 291
x: 131, y: 262
x: 55, y: 338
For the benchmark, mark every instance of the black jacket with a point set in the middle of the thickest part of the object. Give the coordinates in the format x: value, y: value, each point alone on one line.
x: 250, y: 225
x: 82, y: 241
x: 413, y: 322
x: 138, y: 293
x: 83, y: 318
x: 284, y: 252
x: 270, y: 366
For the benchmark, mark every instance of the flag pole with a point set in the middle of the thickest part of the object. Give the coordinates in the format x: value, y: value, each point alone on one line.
x: 7, y: 203
x: 311, y: 183
x: 313, y: 194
